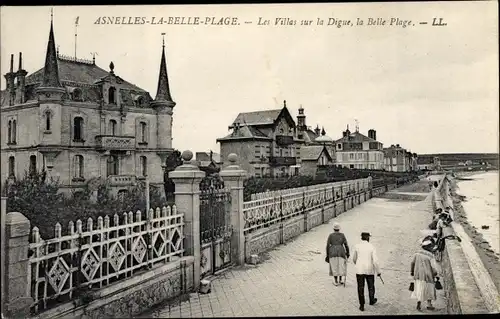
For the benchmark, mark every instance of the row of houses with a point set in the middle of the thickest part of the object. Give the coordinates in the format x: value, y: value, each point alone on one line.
x: 271, y: 143
x: 80, y: 122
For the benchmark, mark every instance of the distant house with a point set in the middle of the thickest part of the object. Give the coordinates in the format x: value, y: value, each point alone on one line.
x: 355, y: 150
x: 265, y: 142
x: 209, y: 162
x: 398, y: 159
x: 313, y: 156
x: 428, y: 162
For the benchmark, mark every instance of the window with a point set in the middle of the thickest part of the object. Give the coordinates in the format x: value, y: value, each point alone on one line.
x: 12, y: 166
x: 112, y: 165
x: 139, y: 101
x: 9, y: 132
x: 112, y: 127
x: 32, y: 164
x: 112, y: 95
x: 351, y: 155
x: 143, y: 132
x: 257, y: 151
x: 144, y: 165
x: 14, y: 129
x: 78, y: 166
x: 122, y: 194
x: 47, y: 120
x: 78, y: 129
x: 77, y: 95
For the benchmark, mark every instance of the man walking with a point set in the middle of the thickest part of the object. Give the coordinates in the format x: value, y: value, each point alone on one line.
x: 365, y: 259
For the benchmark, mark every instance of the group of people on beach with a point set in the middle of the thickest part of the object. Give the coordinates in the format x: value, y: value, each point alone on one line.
x: 423, y: 267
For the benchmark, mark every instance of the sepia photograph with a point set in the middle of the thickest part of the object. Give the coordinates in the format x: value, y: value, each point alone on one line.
x: 249, y: 160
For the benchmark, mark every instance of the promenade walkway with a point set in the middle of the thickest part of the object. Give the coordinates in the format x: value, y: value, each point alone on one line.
x: 294, y: 278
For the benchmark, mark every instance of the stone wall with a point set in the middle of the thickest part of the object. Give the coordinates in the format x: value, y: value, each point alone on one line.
x: 463, y: 294
x: 130, y: 297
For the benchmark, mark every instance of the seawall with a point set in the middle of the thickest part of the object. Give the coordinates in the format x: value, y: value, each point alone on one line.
x: 469, y: 287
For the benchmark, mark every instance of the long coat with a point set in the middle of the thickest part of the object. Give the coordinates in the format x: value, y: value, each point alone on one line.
x: 336, y: 245
x: 423, y: 266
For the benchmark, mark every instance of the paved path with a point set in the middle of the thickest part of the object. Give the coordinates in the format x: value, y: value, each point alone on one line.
x: 294, y: 279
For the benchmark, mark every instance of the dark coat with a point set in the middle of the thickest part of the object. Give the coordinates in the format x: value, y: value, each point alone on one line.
x: 336, y: 245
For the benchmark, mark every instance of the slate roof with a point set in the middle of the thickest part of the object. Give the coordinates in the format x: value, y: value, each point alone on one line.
x: 79, y: 72
x: 312, y: 152
x: 245, y: 132
x: 311, y: 135
x: 356, y: 137
x: 205, y: 156
x: 257, y: 118
x: 4, y: 97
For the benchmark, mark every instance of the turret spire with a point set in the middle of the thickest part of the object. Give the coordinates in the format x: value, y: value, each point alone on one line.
x: 51, y: 69
x: 163, y: 91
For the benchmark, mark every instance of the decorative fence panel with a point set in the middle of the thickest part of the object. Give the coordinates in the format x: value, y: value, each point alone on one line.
x: 65, y: 267
x: 215, y: 226
x: 273, y: 207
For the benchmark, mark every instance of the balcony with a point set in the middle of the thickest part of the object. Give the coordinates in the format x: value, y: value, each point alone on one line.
x: 113, y: 142
x: 284, y: 140
x: 122, y: 180
x: 282, y: 161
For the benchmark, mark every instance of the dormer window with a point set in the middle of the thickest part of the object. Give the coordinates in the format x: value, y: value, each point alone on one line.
x: 77, y: 95
x: 139, y: 101
x: 112, y: 95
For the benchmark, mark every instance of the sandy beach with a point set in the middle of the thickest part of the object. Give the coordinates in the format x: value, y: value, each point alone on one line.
x: 488, y: 256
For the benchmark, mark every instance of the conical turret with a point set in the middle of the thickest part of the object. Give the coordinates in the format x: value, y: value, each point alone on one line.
x: 163, y: 96
x: 51, y: 69
x: 51, y: 82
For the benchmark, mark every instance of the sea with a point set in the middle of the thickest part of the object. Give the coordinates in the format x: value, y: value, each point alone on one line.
x: 482, y: 205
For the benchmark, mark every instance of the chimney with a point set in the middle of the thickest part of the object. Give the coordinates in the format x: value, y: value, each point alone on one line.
x: 317, y: 130
x: 9, y: 78
x: 21, y: 82
x: 301, y: 120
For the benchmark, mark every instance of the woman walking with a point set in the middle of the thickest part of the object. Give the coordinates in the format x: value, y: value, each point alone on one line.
x: 337, y: 253
x: 423, y: 271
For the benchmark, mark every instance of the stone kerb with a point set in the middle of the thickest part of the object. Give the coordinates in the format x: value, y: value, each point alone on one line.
x: 234, y: 177
x: 187, y: 178
x: 17, y: 287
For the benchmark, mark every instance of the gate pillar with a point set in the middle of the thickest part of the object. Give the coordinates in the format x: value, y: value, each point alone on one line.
x: 187, y: 178
x: 233, y: 177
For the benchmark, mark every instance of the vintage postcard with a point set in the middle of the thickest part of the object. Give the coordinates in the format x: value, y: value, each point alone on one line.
x: 250, y: 159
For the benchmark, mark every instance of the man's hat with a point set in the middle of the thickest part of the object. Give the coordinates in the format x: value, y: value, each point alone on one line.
x: 364, y: 234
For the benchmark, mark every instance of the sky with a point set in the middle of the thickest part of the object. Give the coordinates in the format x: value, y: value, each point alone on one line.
x: 431, y: 89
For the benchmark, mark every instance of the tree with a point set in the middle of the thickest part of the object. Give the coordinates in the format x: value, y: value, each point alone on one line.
x: 172, y: 162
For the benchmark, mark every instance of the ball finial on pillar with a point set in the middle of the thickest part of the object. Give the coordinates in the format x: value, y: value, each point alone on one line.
x: 232, y: 158
x: 187, y: 156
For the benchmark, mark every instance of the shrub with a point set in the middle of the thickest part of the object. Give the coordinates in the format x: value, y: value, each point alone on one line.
x: 41, y: 202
